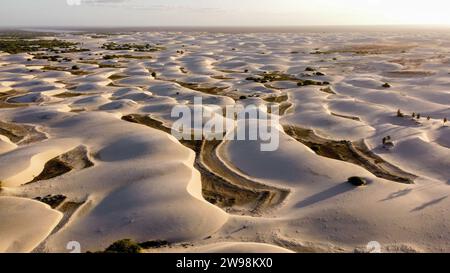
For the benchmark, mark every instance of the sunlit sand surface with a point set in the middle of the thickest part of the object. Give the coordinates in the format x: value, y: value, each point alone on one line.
x: 86, y: 153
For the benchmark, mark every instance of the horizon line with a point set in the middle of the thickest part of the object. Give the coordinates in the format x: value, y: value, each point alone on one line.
x: 226, y: 26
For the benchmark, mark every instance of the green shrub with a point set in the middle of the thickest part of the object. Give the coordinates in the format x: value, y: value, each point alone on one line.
x: 124, y: 246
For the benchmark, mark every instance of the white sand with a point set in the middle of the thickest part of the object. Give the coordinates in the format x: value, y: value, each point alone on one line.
x: 144, y: 186
x: 25, y: 223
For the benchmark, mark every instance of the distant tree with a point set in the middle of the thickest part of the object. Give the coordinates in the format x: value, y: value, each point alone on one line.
x: 445, y: 121
x: 154, y: 74
x: 428, y: 118
x: 413, y: 115
x: 418, y: 116
x: 399, y: 113
x: 386, y: 85
x: 75, y: 67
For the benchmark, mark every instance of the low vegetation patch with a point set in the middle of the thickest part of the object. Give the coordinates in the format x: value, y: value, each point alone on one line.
x: 52, y: 200
x: 124, y: 246
x: 125, y: 56
x: 14, y: 46
x: 311, y: 82
x: 154, y: 244
x: 132, y: 47
x: 132, y: 247
x: 77, y: 72
x: 68, y: 95
x: 278, y: 76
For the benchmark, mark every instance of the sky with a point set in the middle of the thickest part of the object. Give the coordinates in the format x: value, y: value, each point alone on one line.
x: 112, y: 13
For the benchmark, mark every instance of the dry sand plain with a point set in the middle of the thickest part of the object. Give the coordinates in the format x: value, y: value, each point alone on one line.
x: 85, y: 153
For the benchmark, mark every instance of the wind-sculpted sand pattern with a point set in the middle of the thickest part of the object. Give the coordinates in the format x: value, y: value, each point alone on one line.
x: 87, y: 155
x: 221, y: 185
x: 353, y: 152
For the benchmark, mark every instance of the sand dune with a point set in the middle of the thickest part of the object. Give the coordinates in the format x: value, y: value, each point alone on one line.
x: 112, y: 109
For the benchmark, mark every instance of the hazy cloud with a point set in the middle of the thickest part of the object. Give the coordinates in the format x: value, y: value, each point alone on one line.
x: 147, y: 5
x: 105, y: 2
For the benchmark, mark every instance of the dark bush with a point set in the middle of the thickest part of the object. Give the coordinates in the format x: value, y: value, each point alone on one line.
x: 109, y: 57
x: 386, y: 85
x: 52, y: 200
x: 124, y: 246
x: 357, y: 181
x: 154, y: 244
x: 316, y: 148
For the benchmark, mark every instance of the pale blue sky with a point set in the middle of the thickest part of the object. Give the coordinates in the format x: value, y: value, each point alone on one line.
x: 221, y: 12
